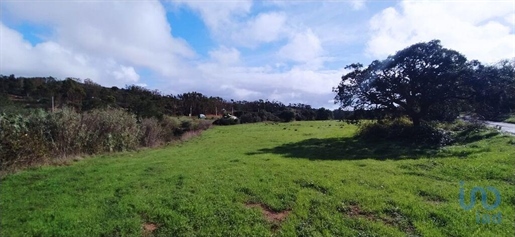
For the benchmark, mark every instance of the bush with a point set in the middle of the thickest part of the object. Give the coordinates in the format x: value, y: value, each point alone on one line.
x: 226, y: 121
x: 151, y: 132
x: 108, y: 130
x: 204, y: 125
x: 256, y: 117
x: 403, y: 130
x: 37, y: 136
x: 23, y: 139
x: 170, y: 129
x: 267, y: 116
x: 250, y: 118
x: 287, y: 115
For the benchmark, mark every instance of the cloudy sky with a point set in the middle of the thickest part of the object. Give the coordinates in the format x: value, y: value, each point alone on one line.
x: 291, y: 51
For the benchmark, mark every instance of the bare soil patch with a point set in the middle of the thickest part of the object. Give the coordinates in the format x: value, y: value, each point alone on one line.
x: 270, y: 215
x: 148, y: 228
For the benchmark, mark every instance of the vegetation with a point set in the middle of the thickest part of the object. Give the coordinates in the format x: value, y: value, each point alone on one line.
x: 402, y: 130
x: 399, y: 174
x: 38, y: 137
x: 511, y: 119
x: 285, y: 179
x: 38, y: 92
x: 428, y: 82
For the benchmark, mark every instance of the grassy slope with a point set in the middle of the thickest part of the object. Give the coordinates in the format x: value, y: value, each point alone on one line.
x: 332, y: 184
x: 511, y: 119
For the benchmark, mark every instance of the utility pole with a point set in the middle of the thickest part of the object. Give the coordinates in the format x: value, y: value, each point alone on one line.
x: 52, y: 104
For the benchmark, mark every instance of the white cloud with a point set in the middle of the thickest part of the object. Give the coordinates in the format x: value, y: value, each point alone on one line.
x: 264, y: 28
x: 219, y: 16
x: 19, y: 57
x: 303, y: 47
x: 357, y: 4
x: 297, y: 85
x: 476, y: 29
x: 125, y: 73
x: 225, y: 56
x: 135, y: 33
x: 510, y: 19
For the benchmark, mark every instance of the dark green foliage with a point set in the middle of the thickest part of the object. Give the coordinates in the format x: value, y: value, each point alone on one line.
x: 324, y: 114
x: 287, y: 115
x: 427, y: 82
x: 250, y: 118
x: 37, y: 92
x: 404, y: 131
x: 494, y: 88
x: 412, y: 82
x: 226, y: 121
x: 256, y: 117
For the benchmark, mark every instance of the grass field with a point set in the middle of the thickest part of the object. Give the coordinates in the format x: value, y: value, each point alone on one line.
x: 293, y: 179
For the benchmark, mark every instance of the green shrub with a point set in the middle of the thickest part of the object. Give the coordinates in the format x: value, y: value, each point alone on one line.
x: 250, y: 118
x: 23, y: 139
x: 170, y: 128
x: 65, y: 132
x: 186, y: 125
x: 151, y: 132
x: 287, y: 115
x: 226, y: 121
x: 37, y: 136
x: 403, y: 130
x: 107, y: 130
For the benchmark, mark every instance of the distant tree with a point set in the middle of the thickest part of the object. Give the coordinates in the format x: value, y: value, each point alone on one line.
x: 411, y: 82
x: 494, y: 88
x: 287, y: 115
x: 323, y: 114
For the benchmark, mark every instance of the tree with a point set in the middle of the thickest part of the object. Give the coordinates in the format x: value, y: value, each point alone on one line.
x: 411, y: 82
x: 324, y: 114
x: 494, y: 88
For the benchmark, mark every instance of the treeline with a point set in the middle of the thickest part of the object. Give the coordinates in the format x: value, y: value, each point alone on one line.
x: 48, y: 93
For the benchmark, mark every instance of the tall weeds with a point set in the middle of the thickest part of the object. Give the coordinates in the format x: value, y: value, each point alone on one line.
x: 39, y: 136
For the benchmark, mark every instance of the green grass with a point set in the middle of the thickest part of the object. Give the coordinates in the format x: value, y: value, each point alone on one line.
x: 511, y: 119
x: 326, y: 182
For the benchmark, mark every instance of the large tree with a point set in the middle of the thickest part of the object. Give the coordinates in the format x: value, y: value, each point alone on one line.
x: 412, y: 82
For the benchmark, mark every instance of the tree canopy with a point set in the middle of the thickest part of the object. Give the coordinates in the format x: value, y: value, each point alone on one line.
x: 420, y: 81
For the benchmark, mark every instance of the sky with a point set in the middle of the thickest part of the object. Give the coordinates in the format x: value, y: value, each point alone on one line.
x: 289, y: 51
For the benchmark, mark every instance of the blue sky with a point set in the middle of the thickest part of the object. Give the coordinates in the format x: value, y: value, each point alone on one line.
x: 291, y: 51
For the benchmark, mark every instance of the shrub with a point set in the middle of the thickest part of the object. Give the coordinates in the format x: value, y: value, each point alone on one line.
x: 256, y: 117
x: 403, y: 130
x: 267, y: 116
x: 108, y: 130
x: 37, y: 136
x: 22, y: 139
x: 204, y: 125
x: 186, y: 125
x: 65, y: 132
x: 287, y: 115
x: 250, y: 118
x: 226, y: 121
x: 170, y: 128
x: 151, y: 132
